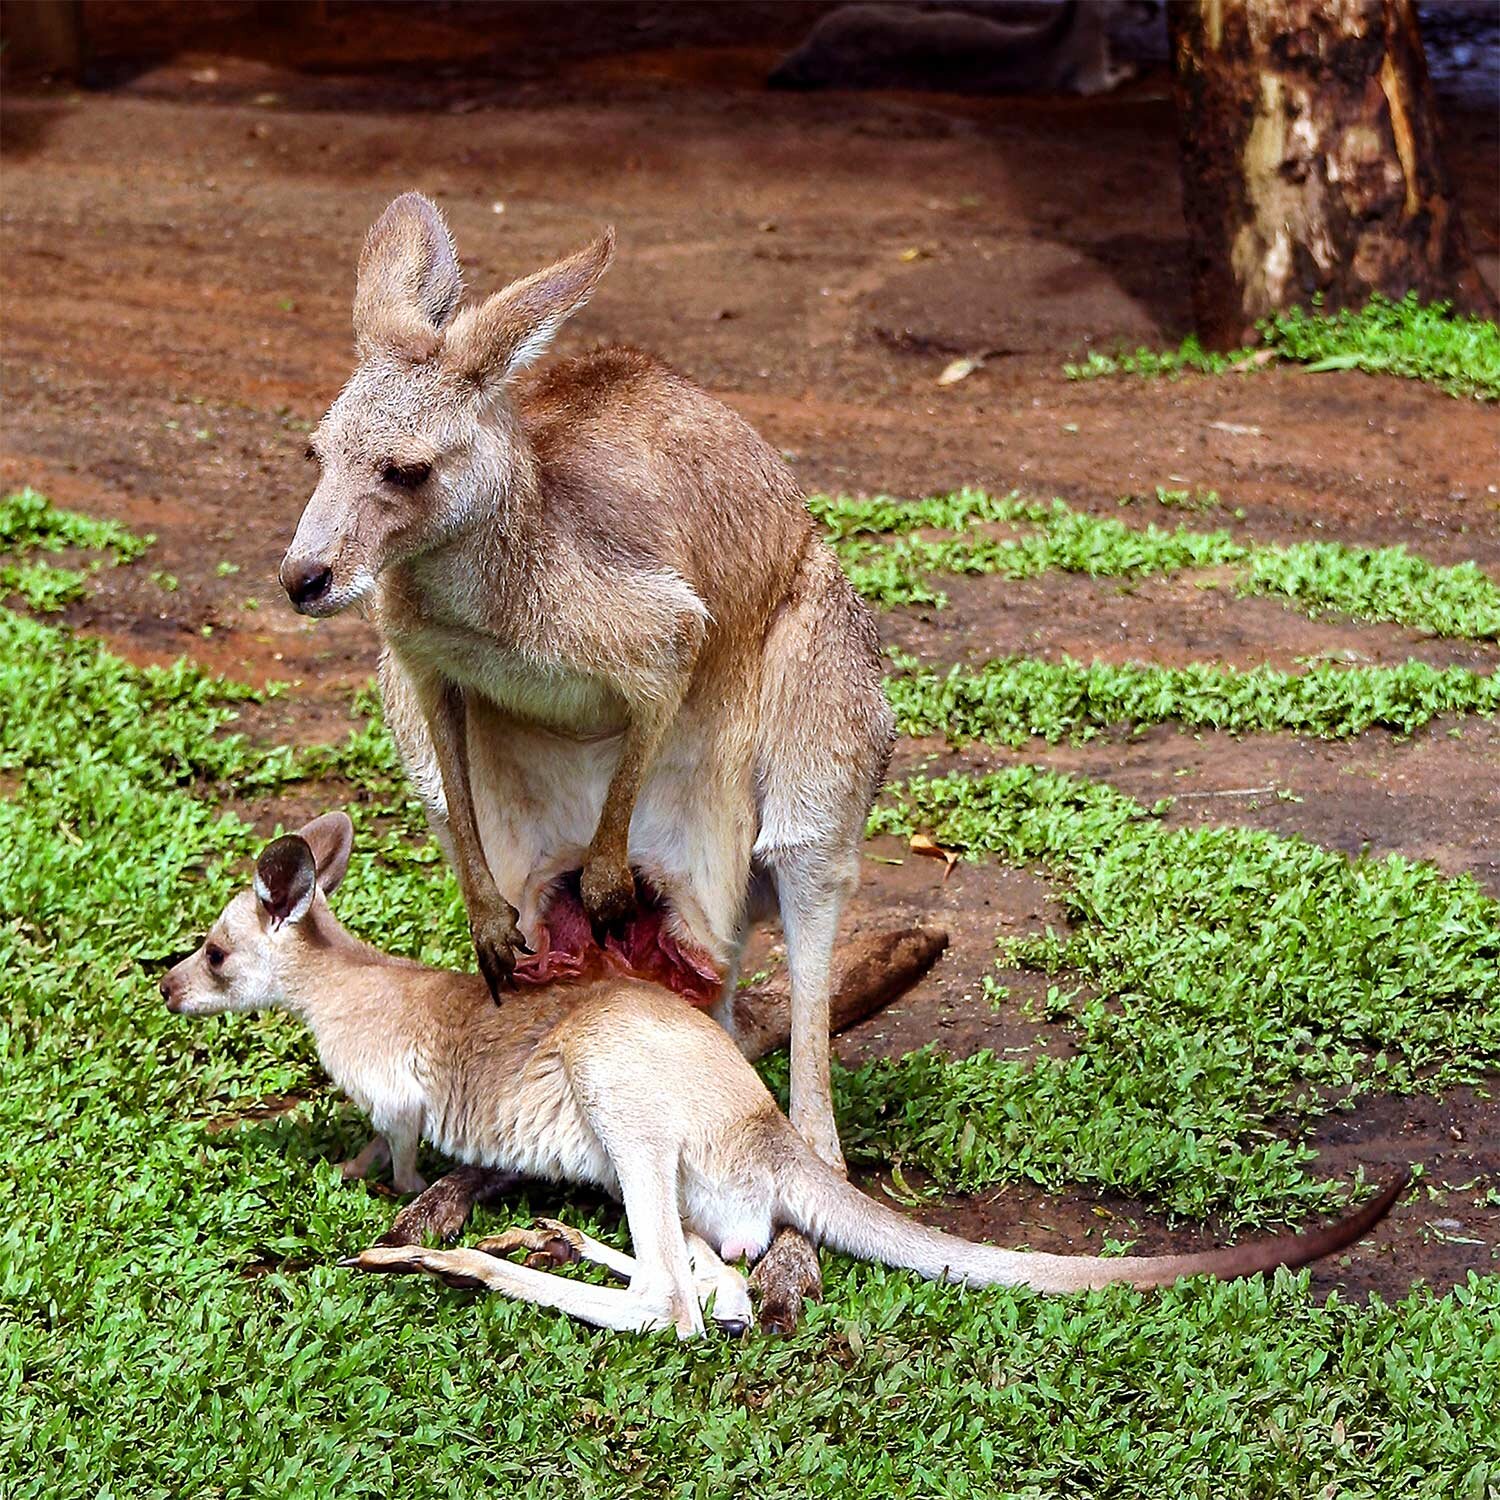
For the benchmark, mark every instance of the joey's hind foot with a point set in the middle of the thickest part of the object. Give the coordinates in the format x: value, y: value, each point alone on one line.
x: 785, y: 1277
x: 607, y: 891
x: 449, y: 1267
x: 444, y: 1208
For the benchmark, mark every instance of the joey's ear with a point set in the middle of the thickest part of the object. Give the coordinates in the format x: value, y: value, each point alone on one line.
x: 408, y: 283
x: 511, y: 329
x: 331, y: 838
x: 286, y: 875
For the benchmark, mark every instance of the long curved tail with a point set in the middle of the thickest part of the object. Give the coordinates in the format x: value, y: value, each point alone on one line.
x: 832, y: 1212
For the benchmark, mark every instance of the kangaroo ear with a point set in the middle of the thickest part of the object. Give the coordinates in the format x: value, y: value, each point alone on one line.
x: 331, y: 838
x: 286, y: 875
x: 513, y: 328
x: 408, y: 283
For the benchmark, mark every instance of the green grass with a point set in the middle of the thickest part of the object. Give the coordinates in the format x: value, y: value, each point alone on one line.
x: 30, y: 523
x: 890, y: 566
x: 1251, y: 979
x: 1386, y: 584
x: 1015, y: 698
x: 138, y: 1358
x: 1378, y: 583
x: 1461, y: 355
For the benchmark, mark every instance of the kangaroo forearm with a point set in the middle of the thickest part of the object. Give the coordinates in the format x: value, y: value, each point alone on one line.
x: 447, y: 720
x: 612, y: 835
x: 651, y: 710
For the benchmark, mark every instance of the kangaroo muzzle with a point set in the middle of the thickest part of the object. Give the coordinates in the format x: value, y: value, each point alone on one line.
x: 307, y: 581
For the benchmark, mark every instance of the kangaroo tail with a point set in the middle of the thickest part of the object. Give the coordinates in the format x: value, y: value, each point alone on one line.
x: 832, y: 1212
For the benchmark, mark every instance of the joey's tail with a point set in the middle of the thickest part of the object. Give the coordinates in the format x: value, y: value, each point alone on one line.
x: 833, y: 1212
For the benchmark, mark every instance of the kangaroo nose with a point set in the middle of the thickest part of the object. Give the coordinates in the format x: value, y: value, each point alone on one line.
x: 168, y: 995
x: 305, y: 582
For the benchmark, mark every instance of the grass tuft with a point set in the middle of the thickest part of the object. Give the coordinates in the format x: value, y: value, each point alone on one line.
x: 1014, y: 699
x: 1432, y: 343
x: 890, y: 565
x: 30, y: 523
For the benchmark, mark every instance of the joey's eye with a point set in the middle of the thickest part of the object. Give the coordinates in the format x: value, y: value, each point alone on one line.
x: 406, y: 476
x: 215, y: 956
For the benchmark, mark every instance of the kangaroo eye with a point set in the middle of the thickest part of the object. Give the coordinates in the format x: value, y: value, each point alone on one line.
x: 406, y: 476
x: 215, y: 956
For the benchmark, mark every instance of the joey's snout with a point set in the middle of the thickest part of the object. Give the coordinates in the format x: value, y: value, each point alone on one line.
x: 171, y: 992
x: 308, y: 581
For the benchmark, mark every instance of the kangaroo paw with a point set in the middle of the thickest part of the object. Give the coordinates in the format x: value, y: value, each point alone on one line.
x: 547, y: 1246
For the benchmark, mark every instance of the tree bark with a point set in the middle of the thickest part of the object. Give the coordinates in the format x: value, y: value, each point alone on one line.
x: 1311, y: 161
x: 43, y: 37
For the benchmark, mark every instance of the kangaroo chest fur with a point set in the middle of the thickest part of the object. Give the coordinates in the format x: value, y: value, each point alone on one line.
x: 545, y: 683
x: 545, y: 695
x: 520, y: 667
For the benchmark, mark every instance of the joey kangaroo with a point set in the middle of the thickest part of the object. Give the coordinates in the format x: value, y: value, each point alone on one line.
x: 639, y: 700
x: 611, y: 1082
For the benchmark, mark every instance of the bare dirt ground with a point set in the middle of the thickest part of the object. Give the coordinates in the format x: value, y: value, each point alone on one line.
x: 178, y: 244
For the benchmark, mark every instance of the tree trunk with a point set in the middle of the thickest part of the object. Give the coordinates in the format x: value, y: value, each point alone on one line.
x: 1311, y: 161
x: 43, y: 37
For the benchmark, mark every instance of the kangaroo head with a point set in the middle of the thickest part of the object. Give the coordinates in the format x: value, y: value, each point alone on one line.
x: 421, y: 443
x: 250, y: 958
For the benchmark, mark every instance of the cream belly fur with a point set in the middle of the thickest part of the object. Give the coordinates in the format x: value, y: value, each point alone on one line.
x: 540, y: 794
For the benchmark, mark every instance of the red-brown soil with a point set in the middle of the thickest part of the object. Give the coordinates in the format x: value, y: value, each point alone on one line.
x: 178, y: 244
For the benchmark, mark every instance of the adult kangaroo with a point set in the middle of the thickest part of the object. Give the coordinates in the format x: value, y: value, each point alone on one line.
x: 639, y: 700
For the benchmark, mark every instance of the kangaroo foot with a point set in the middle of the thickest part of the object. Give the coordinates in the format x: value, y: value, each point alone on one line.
x: 785, y: 1277
x: 443, y: 1209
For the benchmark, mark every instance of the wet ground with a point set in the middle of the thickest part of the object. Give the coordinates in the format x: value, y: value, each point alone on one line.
x: 178, y: 243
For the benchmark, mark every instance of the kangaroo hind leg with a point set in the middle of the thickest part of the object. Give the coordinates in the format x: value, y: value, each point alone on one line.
x: 624, y: 1311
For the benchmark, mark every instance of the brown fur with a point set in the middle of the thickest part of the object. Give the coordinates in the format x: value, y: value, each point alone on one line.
x: 614, y: 644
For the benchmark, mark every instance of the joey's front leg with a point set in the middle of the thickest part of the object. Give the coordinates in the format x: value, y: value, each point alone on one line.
x: 376, y: 1154
x: 492, y: 919
x: 405, y: 1135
